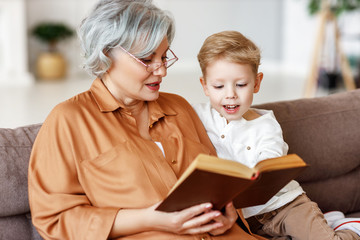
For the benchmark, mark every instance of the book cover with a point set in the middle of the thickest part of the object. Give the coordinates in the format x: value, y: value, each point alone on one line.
x: 219, y: 181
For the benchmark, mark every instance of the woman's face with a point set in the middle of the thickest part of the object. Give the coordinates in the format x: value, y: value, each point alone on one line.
x: 129, y: 82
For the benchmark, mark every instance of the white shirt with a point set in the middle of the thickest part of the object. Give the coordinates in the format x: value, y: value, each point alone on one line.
x: 249, y: 142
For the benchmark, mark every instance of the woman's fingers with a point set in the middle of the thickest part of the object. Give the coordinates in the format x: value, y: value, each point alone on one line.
x: 196, y: 210
x: 203, y: 223
x: 207, y: 228
x: 194, y: 220
x: 227, y: 220
x: 198, y: 219
x: 201, y: 219
x: 230, y: 212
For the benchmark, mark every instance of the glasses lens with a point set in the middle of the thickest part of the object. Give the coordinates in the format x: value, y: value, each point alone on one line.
x: 168, y: 62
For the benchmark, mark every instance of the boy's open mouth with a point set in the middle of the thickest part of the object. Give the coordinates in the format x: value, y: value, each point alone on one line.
x: 230, y: 107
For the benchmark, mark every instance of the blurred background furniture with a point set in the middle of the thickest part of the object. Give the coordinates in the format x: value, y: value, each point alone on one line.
x: 328, y: 21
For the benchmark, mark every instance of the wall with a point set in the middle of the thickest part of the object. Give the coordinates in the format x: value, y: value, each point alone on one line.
x: 260, y: 20
x: 13, y: 48
x: 70, y: 12
x: 282, y: 28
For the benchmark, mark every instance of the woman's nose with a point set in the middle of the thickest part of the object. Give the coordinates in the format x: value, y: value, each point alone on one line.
x: 161, y: 71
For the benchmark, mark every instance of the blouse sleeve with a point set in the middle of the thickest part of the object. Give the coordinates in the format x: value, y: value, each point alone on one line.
x: 59, y: 206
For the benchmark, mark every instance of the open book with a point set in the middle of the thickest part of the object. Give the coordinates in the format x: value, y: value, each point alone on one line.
x: 219, y: 181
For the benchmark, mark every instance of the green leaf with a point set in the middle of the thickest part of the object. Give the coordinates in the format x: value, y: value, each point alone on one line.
x: 52, y: 32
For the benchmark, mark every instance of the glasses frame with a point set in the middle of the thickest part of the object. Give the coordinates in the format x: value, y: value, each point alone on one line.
x: 147, y: 66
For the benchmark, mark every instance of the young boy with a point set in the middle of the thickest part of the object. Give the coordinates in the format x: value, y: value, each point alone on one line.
x: 229, y: 63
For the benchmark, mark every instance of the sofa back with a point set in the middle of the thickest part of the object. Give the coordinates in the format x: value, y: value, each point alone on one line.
x: 15, y: 148
x: 325, y: 132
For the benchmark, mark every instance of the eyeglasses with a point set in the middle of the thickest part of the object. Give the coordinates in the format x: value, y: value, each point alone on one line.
x: 156, y: 65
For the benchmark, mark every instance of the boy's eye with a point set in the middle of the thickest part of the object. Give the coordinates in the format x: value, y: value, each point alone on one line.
x: 218, y: 86
x: 241, y: 84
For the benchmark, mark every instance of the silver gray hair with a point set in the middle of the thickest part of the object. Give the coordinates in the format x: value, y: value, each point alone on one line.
x: 135, y: 25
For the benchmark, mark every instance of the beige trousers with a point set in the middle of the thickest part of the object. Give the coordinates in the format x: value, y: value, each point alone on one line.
x: 300, y: 219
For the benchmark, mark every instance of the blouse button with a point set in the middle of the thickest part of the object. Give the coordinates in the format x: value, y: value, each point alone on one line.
x: 222, y: 136
x: 173, y: 161
x: 248, y: 147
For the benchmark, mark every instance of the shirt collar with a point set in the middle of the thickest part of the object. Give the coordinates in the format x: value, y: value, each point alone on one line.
x: 108, y: 103
x: 104, y: 99
x: 157, y: 110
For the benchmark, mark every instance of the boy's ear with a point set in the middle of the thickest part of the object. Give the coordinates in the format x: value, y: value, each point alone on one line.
x: 258, y: 80
x: 203, y: 84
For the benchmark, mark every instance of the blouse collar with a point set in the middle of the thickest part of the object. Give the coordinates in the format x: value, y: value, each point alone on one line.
x: 107, y: 102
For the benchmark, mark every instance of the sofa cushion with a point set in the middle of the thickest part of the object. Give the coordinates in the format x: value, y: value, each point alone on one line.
x: 325, y: 132
x: 18, y: 227
x: 15, y: 148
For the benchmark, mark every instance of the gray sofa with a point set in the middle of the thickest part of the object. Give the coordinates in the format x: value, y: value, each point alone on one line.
x: 324, y: 131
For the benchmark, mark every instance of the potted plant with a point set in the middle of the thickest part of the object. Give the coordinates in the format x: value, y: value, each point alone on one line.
x: 337, y: 7
x: 51, y: 63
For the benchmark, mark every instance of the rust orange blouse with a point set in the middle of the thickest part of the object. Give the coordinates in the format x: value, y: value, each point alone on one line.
x: 89, y: 161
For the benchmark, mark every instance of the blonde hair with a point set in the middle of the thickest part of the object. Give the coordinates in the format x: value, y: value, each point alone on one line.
x: 229, y: 45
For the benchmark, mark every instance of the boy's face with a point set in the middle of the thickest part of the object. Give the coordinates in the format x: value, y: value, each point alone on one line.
x: 230, y: 87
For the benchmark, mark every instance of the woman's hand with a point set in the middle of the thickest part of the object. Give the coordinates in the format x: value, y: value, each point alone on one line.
x: 227, y: 220
x: 194, y: 220
x: 197, y: 219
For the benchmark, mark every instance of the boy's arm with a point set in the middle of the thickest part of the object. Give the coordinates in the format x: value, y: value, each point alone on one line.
x: 272, y: 143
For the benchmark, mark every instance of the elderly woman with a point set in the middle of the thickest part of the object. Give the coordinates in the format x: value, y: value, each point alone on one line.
x: 104, y: 159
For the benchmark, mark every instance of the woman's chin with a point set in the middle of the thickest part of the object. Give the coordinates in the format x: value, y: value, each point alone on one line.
x: 152, y: 97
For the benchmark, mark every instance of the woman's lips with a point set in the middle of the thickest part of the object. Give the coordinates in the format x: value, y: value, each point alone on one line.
x: 155, y: 86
